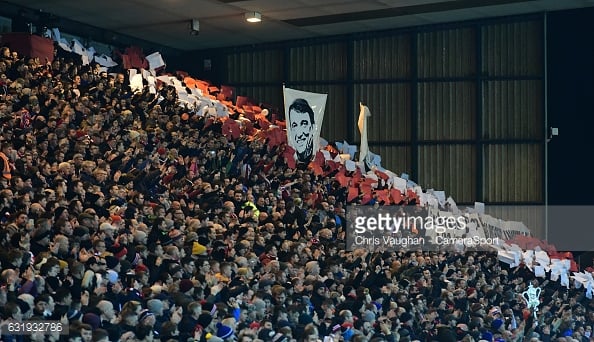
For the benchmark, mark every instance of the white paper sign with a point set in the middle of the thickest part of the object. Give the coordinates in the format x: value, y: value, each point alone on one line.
x: 155, y: 60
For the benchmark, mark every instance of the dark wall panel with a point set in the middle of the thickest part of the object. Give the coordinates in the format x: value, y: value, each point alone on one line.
x: 571, y: 104
x: 449, y: 167
x: 256, y: 66
x: 382, y: 58
x: 320, y: 62
x: 513, y: 110
x: 513, y: 49
x: 513, y: 173
x: 447, y: 111
x: 448, y: 53
x: 263, y: 95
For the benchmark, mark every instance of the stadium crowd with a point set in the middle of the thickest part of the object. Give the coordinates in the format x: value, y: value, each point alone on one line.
x: 124, y: 217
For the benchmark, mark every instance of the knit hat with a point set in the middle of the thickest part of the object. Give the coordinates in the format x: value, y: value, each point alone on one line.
x: 80, y: 231
x: 112, y: 276
x: 40, y: 235
x: 497, y: 323
x: 476, y: 307
x: 73, y: 315
x: 185, y: 285
x: 144, y: 314
x: 58, y: 212
x: 154, y: 305
x: 175, y: 234
x: 191, y: 236
x: 305, y: 319
x: 23, y: 305
x: 111, y: 261
x: 197, y: 248
x: 487, y: 336
x: 85, y: 216
x: 405, y: 317
x: 266, y: 335
x: 280, y: 338
x: 141, y: 268
x: 204, y: 320
x: 224, y: 331
x: 283, y: 323
x: 120, y: 252
x: 368, y: 316
x: 92, y: 319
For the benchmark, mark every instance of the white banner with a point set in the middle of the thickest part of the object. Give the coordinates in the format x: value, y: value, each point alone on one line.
x: 364, y: 113
x: 304, y: 113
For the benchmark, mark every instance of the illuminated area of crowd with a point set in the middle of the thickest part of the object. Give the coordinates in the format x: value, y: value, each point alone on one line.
x: 126, y: 218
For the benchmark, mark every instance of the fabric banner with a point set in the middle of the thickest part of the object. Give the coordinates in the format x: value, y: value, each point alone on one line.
x: 364, y: 113
x: 30, y: 45
x: 304, y: 113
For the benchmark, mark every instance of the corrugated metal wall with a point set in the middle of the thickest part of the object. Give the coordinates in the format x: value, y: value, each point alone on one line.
x: 255, y: 66
x: 513, y: 173
x: 513, y: 49
x: 459, y: 108
x: 513, y: 110
x: 447, y: 111
x: 321, y: 62
x: 268, y: 95
x: 382, y: 58
x: 449, y: 167
x: 448, y: 53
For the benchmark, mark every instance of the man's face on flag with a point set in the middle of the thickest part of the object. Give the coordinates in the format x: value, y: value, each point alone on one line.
x: 301, y: 130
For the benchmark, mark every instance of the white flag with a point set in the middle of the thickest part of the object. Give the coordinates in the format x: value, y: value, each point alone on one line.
x: 364, y: 113
x: 304, y: 113
x: 155, y: 60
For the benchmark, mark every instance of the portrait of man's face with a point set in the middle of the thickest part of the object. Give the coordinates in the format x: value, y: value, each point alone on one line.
x: 302, y: 129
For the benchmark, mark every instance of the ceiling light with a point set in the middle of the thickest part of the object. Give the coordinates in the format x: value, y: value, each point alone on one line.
x: 253, y: 17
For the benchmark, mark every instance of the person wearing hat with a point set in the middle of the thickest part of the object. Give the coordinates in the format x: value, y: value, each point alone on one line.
x: 406, y: 320
x: 147, y: 319
x: 156, y: 307
x: 107, y: 318
x: 40, y: 239
x: 63, y: 301
x: 224, y: 332
x: 191, y: 318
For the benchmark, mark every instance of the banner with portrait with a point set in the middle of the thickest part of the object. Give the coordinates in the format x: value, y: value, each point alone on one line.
x: 304, y: 114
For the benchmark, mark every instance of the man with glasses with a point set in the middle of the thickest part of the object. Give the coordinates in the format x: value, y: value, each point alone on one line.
x: 189, y: 268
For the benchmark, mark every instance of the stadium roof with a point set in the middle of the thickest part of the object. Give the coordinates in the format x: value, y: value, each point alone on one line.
x: 222, y: 22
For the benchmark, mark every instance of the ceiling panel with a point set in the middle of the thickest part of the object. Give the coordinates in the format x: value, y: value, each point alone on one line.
x: 166, y: 22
